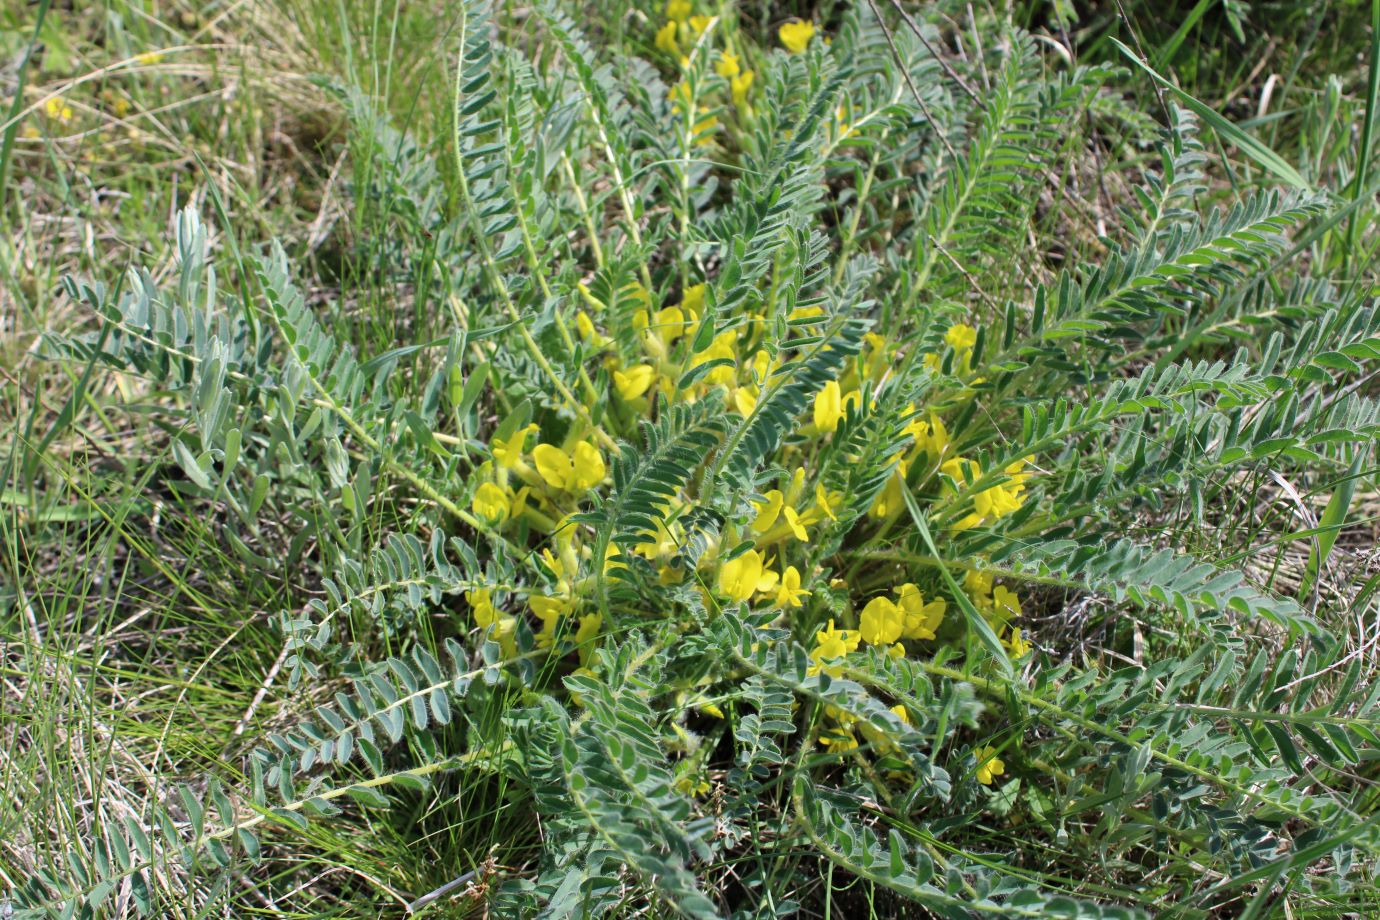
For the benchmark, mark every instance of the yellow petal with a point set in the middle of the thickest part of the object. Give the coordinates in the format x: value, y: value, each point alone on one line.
x: 589, y: 466
x: 881, y: 622
x: 635, y: 381
x: 666, y: 38
x: 554, y: 466
x: 491, y: 503
x: 796, y: 35
x: 744, y: 400
x: 828, y: 406
x: 768, y: 511
x: 738, y: 577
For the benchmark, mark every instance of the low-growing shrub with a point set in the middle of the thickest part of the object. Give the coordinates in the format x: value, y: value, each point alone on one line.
x: 814, y: 481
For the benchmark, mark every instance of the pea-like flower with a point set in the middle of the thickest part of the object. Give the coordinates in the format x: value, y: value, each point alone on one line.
x: 881, y: 622
x: 1016, y: 646
x: 790, y: 592
x: 831, y: 643
x: 491, y: 503
x: 921, y: 619
x: 990, y: 766
x: 739, y: 86
x: 508, y: 452
x: 829, y: 406
x: 666, y: 39
x: 633, y: 382
x: 575, y: 471
x: 796, y: 35
x: 739, y: 577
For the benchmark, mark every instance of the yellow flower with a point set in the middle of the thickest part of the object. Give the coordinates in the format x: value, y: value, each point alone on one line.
x: 58, y: 109
x: 891, y: 500
x: 921, y: 619
x: 666, y: 39
x: 828, y: 407
x: 877, y: 357
x: 833, y: 643
x: 745, y: 400
x: 739, y: 87
x: 554, y: 564
x: 691, y: 785
x: 576, y: 471
x: 773, y: 512
x: 845, y: 130
x: 508, y: 454
x: 120, y: 106
x: 481, y: 599
x: 978, y: 584
x: 549, y: 610
x: 881, y: 622
x: 662, y: 330
x: 699, y: 24
x: 796, y: 35
x: 989, y: 765
x: 504, y: 632
x: 678, y: 10
x: 879, y: 738
x: 634, y: 382
x: 992, y: 503
x: 1005, y: 604
x: 839, y: 740
x: 768, y: 511
x: 824, y: 502
x: 1016, y: 646
x: 149, y: 57
x: 585, y: 327
x: 692, y: 300
x: 486, y: 616
x: 961, y: 337
x: 590, y: 624
x: 703, y: 129
x: 727, y: 66
x: 491, y: 503
x: 738, y: 578
x: 723, y: 346
x: 790, y: 592
x: 931, y: 437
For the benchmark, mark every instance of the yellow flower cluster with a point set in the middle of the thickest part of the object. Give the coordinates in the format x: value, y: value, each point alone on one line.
x: 962, y: 338
x: 992, y: 503
x: 999, y: 605
x: 555, y: 473
x: 762, y: 558
x: 883, y: 623
x: 781, y: 517
x: 681, y: 32
x: 551, y: 608
x: 58, y: 110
